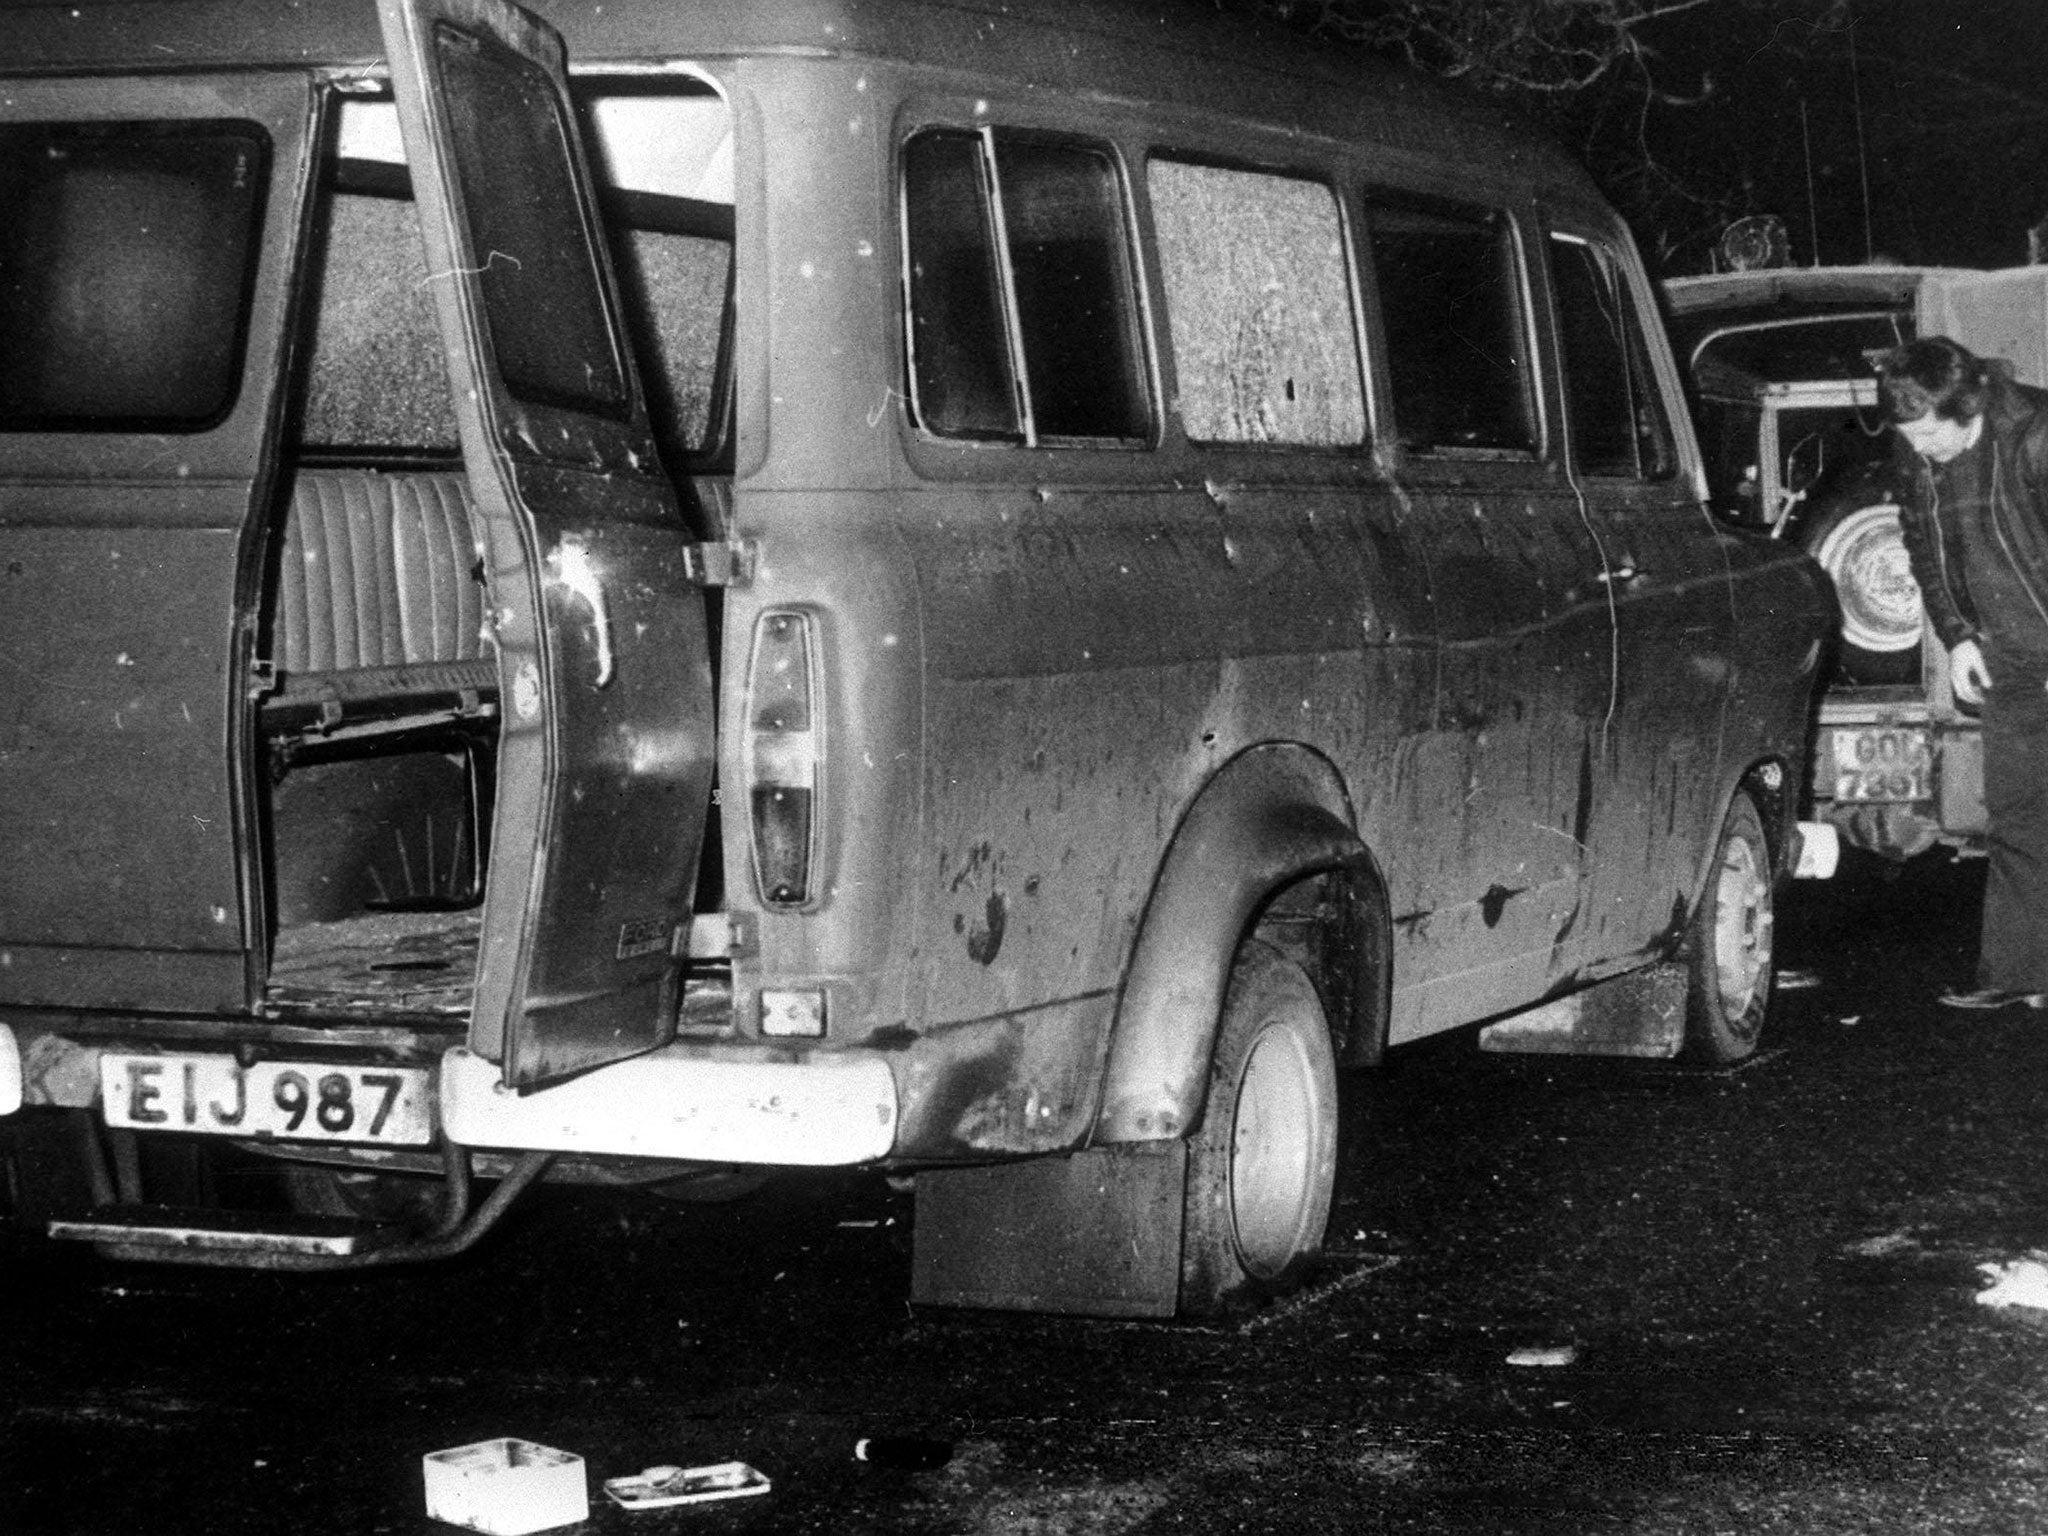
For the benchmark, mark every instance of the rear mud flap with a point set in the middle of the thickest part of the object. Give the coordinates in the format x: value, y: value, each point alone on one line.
x: 1092, y: 1234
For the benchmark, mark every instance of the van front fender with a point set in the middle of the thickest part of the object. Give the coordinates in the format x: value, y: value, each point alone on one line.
x: 1271, y: 817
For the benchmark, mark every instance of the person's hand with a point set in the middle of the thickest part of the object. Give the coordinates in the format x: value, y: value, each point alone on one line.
x: 1967, y: 674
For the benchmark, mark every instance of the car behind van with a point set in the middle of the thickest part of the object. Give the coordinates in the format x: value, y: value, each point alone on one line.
x: 661, y: 594
x: 1798, y: 442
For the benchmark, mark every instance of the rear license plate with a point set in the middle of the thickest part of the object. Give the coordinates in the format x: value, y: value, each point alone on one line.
x: 286, y: 1100
x: 1881, y: 764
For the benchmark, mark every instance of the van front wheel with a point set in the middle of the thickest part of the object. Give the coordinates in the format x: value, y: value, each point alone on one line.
x: 1728, y: 987
x: 1262, y: 1164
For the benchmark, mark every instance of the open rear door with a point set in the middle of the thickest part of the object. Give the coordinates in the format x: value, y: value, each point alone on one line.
x: 604, y: 772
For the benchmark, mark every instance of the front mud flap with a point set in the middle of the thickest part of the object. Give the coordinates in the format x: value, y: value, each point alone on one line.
x: 1092, y: 1234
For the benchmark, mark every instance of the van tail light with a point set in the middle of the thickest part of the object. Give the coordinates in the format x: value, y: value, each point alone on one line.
x: 782, y: 756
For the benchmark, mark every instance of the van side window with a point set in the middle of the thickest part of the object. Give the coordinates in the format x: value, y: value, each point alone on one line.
x: 1023, y: 316
x: 126, y: 250
x: 1451, y: 305
x: 1616, y: 421
x: 1259, y: 305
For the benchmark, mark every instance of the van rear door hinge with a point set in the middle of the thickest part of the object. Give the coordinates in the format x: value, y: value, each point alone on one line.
x: 720, y: 565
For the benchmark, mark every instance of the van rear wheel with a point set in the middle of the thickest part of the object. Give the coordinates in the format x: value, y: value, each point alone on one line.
x: 1262, y: 1164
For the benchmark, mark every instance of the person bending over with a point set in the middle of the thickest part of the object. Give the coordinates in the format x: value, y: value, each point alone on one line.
x: 1972, y: 449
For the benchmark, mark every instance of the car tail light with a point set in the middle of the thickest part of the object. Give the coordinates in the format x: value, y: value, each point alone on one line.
x: 782, y: 756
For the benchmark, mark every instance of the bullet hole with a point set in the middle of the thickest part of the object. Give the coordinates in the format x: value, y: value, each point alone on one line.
x: 1495, y: 902
x: 986, y: 941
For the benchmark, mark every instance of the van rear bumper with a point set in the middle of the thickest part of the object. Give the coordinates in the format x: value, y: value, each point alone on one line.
x: 825, y: 1110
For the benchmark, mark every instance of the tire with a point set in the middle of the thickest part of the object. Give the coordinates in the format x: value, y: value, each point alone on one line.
x: 1728, y: 986
x: 1855, y: 536
x: 1262, y: 1164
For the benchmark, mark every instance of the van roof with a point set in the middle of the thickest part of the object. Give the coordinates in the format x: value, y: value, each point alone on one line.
x: 1224, y: 64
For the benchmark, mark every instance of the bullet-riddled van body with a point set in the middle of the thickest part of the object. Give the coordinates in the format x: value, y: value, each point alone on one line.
x: 663, y: 591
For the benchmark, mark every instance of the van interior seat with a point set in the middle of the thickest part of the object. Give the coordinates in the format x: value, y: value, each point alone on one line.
x: 378, y: 594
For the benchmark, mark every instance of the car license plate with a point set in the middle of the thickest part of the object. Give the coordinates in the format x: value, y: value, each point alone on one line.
x: 286, y: 1100
x: 1883, y: 764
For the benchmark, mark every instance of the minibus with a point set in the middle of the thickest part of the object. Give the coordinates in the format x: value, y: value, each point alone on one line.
x: 676, y: 591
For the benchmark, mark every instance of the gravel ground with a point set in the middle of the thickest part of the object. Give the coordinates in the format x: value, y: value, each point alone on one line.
x: 1748, y: 1297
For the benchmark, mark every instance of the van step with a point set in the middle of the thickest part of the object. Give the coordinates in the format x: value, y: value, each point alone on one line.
x: 166, y: 1232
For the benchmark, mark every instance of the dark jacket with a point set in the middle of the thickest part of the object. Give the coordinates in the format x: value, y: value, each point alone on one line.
x: 2016, y: 424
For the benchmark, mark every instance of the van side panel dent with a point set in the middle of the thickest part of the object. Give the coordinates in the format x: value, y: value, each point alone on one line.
x: 1023, y: 1082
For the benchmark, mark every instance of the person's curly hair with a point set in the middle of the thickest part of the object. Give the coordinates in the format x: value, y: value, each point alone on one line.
x: 1934, y: 374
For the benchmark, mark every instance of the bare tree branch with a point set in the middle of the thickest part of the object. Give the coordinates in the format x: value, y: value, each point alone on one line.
x: 1542, y: 47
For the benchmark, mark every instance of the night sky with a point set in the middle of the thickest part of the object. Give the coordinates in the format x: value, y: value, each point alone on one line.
x: 1938, y: 107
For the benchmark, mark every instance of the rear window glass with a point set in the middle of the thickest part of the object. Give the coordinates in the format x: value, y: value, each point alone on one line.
x: 1451, y: 304
x: 126, y: 251
x: 542, y: 292
x: 377, y: 378
x: 1259, y: 303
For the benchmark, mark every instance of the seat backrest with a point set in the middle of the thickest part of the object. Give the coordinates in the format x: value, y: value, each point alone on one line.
x: 378, y: 570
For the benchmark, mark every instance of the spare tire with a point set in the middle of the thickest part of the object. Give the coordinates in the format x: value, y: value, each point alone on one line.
x: 1854, y: 533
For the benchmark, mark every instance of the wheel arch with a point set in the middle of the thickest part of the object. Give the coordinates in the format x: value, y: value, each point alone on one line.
x: 1268, y: 845
x: 1774, y: 786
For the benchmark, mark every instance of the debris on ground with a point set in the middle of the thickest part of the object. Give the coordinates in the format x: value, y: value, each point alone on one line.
x: 506, y: 1487
x: 2016, y: 1283
x: 1544, y: 1355
x: 663, y: 1486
